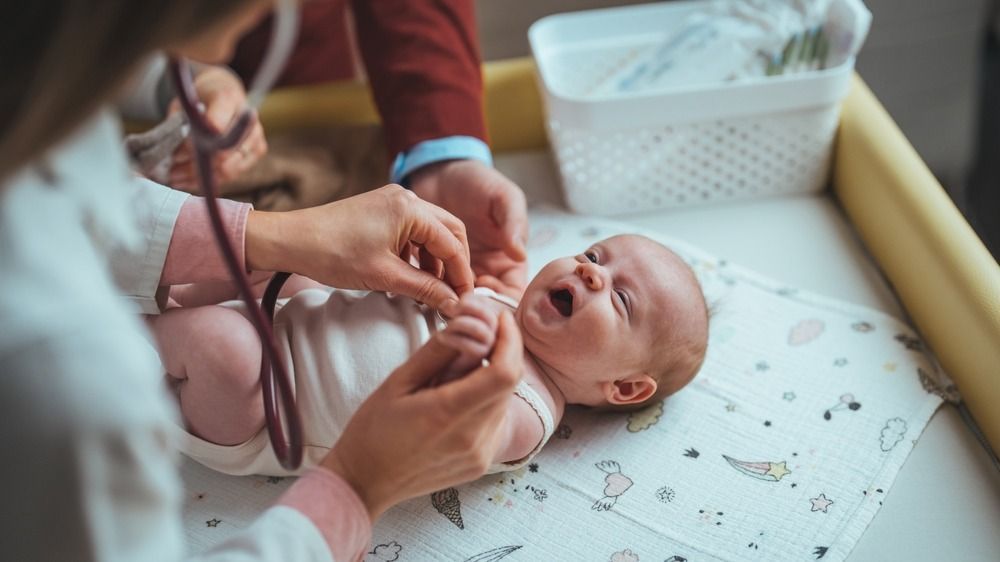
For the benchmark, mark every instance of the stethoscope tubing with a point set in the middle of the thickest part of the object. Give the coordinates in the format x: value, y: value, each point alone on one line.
x: 276, y: 386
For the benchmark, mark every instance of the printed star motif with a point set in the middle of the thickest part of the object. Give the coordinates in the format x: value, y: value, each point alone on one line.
x: 778, y: 470
x: 533, y: 467
x: 788, y: 396
x: 213, y: 522
x: 665, y: 494
x: 889, y: 367
x: 730, y: 407
x: 820, y: 503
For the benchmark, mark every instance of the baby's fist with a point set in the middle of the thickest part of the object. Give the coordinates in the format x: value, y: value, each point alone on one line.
x: 472, y: 332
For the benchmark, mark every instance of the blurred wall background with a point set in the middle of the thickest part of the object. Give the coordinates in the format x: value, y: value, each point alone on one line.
x: 929, y: 61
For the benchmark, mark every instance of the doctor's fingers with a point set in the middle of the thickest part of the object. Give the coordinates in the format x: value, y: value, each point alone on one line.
x: 229, y: 165
x: 428, y: 262
x: 443, y: 236
x: 395, y: 275
x: 509, y: 212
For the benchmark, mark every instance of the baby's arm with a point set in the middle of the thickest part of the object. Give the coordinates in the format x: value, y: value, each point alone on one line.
x: 472, y: 333
x: 212, y: 356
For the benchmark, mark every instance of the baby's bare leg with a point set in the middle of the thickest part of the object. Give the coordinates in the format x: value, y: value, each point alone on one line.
x: 212, y: 355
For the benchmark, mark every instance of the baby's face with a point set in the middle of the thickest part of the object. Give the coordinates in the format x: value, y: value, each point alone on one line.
x: 597, y: 317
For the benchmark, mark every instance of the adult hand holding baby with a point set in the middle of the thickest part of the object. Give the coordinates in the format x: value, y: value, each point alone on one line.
x: 408, y: 439
x: 493, y: 209
x: 224, y: 97
x: 364, y: 242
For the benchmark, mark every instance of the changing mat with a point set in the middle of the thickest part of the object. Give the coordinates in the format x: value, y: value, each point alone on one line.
x: 782, y: 448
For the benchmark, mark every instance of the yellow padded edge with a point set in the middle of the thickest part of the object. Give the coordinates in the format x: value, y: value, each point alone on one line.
x: 512, y: 106
x: 946, y: 278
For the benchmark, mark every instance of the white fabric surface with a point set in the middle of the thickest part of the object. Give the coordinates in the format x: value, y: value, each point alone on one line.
x: 741, y: 463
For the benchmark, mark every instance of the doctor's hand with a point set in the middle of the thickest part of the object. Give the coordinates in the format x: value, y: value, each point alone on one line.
x: 408, y: 439
x: 495, y: 214
x: 365, y: 242
x: 223, y: 95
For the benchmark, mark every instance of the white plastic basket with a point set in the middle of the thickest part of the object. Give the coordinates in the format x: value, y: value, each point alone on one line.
x: 638, y: 151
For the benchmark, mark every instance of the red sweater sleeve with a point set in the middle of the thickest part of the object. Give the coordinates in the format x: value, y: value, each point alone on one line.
x: 423, y: 63
x: 422, y: 59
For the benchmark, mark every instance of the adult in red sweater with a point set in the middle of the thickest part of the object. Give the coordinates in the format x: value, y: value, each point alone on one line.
x: 422, y: 61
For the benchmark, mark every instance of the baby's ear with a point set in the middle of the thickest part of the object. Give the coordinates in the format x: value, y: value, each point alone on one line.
x: 630, y: 390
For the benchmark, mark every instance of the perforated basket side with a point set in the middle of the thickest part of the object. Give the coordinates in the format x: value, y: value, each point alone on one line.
x: 671, y: 165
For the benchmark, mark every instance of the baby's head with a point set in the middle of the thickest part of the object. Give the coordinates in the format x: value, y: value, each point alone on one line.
x: 622, y: 324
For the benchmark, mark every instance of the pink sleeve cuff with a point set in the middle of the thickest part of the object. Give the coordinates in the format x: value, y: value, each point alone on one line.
x: 193, y: 255
x: 336, y: 510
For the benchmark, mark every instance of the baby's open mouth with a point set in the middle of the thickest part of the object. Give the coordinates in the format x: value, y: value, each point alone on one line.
x: 562, y: 299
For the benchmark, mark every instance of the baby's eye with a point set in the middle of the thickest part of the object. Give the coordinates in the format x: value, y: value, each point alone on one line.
x: 623, y: 297
x: 590, y: 255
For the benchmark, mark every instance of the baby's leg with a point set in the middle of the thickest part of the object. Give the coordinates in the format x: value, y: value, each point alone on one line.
x: 212, y: 355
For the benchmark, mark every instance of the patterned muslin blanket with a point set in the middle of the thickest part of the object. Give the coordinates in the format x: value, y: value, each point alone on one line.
x: 782, y: 448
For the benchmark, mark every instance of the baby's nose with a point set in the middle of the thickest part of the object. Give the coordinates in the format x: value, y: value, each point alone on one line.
x: 591, y: 274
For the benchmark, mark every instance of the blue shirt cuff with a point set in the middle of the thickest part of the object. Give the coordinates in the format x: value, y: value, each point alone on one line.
x: 436, y: 150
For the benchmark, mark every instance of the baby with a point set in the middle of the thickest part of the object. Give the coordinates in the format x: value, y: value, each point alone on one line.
x: 619, y: 326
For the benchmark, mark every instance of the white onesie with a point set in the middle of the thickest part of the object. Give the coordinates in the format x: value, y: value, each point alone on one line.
x: 338, y: 347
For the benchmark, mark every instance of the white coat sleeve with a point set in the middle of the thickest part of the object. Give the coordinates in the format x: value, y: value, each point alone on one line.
x: 137, y: 268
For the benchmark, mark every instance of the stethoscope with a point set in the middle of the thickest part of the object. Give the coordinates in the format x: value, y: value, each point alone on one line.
x: 276, y: 387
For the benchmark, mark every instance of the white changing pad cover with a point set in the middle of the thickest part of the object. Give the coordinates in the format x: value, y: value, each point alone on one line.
x: 782, y: 448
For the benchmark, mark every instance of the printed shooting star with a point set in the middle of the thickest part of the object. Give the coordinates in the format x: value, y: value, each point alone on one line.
x: 494, y: 555
x: 770, y: 471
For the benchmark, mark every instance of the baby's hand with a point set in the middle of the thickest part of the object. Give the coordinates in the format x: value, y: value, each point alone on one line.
x: 472, y: 332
